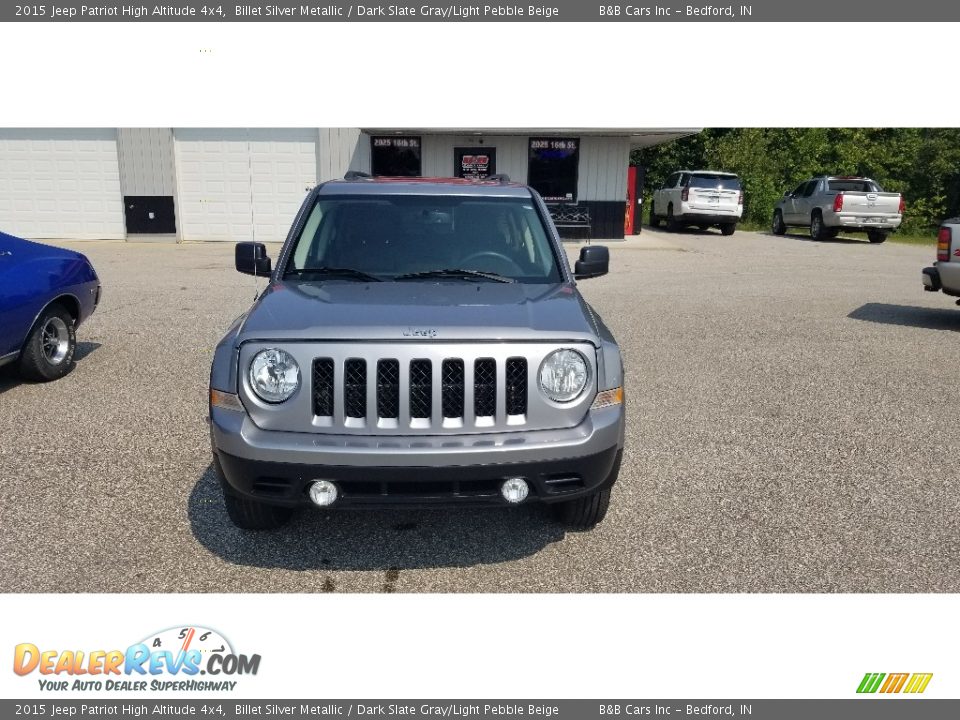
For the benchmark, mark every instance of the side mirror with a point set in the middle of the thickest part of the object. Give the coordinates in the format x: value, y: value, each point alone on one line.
x: 594, y: 261
x: 251, y: 258
x: 787, y: 194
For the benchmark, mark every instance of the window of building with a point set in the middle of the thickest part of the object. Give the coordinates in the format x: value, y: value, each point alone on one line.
x: 553, y: 167
x: 395, y: 156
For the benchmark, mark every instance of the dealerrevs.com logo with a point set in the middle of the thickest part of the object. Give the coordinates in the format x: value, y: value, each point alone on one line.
x: 172, y: 659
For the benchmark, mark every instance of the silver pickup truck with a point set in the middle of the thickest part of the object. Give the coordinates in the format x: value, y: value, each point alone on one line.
x: 944, y: 276
x: 831, y: 204
x: 421, y: 342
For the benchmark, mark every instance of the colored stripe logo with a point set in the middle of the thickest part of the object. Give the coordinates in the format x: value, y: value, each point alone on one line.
x: 913, y: 683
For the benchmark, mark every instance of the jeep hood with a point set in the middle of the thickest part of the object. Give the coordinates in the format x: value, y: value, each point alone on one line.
x: 418, y: 310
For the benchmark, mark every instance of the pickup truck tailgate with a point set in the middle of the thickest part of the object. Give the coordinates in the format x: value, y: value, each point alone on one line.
x: 871, y: 203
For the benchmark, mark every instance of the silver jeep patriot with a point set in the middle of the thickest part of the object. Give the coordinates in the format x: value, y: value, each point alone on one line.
x: 421, y: 342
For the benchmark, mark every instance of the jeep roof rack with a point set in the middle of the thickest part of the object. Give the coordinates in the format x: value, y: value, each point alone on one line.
x: 356, y: 175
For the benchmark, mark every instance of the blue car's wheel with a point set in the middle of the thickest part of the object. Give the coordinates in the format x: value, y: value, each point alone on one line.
x: 49, y: 349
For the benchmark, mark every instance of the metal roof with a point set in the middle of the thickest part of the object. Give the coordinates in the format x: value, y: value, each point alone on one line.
x: 639, y: 137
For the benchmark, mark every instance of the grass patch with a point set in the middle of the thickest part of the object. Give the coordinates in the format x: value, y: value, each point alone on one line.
x: 914, y: 238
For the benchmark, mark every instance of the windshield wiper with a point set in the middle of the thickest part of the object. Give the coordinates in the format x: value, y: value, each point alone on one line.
x: 455, y: 273
x: 334, y: 272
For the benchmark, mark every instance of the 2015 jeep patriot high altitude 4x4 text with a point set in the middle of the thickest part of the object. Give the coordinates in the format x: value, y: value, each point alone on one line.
x: 420, y: 342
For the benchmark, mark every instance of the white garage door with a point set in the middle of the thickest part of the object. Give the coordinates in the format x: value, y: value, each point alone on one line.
x: 60, y: 184
x: 232, y: 180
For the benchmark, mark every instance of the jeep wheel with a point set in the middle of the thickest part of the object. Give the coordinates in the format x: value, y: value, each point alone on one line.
x: 817, y: 228
x: 671, y: 221
x: 728, y: 228
x: 654, y: 220
x: 877, y: 236
x: 48, y: 352
x: 583, y: 513
x: 249, y: 514
x: 778, y: 227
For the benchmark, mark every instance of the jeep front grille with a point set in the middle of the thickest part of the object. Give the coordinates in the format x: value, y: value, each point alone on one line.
x: 355, y: 388
x: 485, y: 387
x: 449, y: 385
x: 418, y: 388
x: 323, y: 387
x: 452, y: 388
x: 516, y: 386
x: 388, y: 388
x: 421, y: 389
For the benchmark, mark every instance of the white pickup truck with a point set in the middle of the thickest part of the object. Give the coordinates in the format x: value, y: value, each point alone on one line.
x: 830, y: 204
x: 945, y: 273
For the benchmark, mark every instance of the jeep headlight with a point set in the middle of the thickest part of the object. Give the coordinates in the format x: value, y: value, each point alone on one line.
x: 274, y: 375
x: 564, y: 375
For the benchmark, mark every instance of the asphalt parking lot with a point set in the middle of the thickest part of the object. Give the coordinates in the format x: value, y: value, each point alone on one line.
x: 793, y: 427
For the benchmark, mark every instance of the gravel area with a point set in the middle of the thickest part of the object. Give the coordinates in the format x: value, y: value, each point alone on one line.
x: 792, y: 415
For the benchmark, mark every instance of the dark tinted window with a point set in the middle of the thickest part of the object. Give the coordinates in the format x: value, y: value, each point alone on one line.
x: 395, y: 156
x: 810, y: 188
x: 553, y: 168
x: 720, y: 182
x: 388, y: 236
x: 854, y: 185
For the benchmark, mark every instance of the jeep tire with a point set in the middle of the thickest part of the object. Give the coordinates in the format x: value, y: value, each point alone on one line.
x: 249, y: 514
x: 583, y: 513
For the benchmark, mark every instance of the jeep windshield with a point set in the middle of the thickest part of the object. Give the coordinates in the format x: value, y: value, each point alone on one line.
x: 423, y: 237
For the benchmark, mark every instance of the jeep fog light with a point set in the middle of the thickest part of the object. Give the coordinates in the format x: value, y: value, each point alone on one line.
x: 515, y: 490
x: 564, y: 375
x: 274, y: 375
x: 323, y: 493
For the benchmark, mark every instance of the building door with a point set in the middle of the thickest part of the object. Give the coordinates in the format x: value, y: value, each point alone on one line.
x: 239, y: 184
x: 476, y: 163
x: 60, y: 184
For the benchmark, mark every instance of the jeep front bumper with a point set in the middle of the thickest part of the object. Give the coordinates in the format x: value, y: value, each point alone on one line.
x: 277, y: 467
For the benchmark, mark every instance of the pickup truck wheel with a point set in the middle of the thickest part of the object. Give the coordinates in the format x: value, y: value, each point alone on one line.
x: 48, y: 352
x: 728, y: 228
x: 654, y: 220
x: 584, y: 513
x: 249, y: 514
x: 877, y: 236
x: 818, y: 230
x: 778, y: 227
x: 671, y: 221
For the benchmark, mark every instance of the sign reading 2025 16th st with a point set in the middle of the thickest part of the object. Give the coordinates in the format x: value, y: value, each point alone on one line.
x: 173, y: 659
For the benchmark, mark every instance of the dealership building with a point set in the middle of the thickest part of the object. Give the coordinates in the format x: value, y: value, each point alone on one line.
x: 233, y: 184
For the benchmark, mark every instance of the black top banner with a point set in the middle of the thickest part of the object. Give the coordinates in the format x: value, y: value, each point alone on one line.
x: 554, y: 11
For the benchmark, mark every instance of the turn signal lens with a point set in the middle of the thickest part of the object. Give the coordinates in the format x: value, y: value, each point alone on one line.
x: 606, y: 398
x: 225, y: 400
x: 838, y: 202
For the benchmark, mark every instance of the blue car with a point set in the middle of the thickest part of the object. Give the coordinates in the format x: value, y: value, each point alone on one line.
x: 45, y: 293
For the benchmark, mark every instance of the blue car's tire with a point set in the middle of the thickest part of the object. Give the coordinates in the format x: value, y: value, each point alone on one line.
x: 48, y: 352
